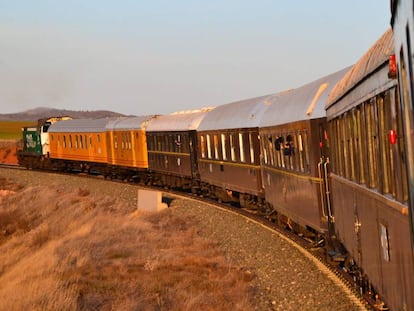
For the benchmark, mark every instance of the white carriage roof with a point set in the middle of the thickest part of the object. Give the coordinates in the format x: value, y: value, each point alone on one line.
x: 128, y: 123
x: 374, y: 58
x: 79, y: 126
x: 303, y: 103
x: 242, y: 114
x: 178, y: 121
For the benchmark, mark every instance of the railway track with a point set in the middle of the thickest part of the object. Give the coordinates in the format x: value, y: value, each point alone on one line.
x: 303, y: 245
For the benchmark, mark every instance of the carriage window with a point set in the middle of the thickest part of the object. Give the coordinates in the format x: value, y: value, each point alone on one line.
x: 223, y: 146
x: 203, y: 147
x: 343, y: 151
x: 288, y: 151
x: 99, y: 138
x: 350, y: 145
x: 70, y: 141
x: 277, y: 148
x: 64, y: 141
x: 360, y: 167
x: 301, y: 153
x: 208, y: 146
x: 265, y: 155
x: 241, y: 147
x: 80, y: 142
x: 295, y: 153
x: 178, y: 142
x: 164, y: 143
x: 386, y: 165
x: 371, y: 119
x: 86, y: 142
x: 251, y: 148
x: 232, y: 148
x: 116, y: 140
x: 268, y: 144
x: 159, y: 143
x: 90, y: 141
x: 216, y: 149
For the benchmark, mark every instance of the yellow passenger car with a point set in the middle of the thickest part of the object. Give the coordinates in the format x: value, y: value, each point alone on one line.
x: 82, y: 141
x: 127, y: 145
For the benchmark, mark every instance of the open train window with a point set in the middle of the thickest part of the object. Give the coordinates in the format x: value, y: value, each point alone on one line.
x: 64, y: 141
x: 70, y: 141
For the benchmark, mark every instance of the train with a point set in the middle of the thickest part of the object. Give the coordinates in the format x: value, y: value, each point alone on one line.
x: 328, y: 160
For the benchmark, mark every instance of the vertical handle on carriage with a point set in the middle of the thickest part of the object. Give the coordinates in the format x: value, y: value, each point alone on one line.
x: 321, y: 185
x: 327, y: 190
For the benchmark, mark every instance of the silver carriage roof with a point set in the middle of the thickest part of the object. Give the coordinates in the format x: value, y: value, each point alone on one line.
x: 241, y: 114
x: 303, y: 103
x: 356, y: 86
x: 178, y: 121
x: 79, y: 126
x: 128, y: 123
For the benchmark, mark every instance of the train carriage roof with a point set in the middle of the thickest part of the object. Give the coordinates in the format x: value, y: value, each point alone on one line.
x: 79, y: 126
x: 303, y: 103
x: 128, y: 123
x: 350, y: 87
x: 178, y: 121
x: 242, y: 114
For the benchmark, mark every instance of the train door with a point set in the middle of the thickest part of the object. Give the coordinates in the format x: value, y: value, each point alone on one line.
x: 192, y: 142
x: 323, y: 174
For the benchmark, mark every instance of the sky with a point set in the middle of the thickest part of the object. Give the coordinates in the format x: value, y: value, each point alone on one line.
x: 141, y: 57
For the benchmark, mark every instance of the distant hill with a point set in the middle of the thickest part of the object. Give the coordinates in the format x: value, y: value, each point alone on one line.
x: 43, y: 112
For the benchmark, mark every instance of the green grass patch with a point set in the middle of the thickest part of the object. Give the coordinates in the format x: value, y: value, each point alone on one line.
x: 13, y: 129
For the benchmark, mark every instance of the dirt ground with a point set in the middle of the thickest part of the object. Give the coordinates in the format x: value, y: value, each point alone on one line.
x: 8, y: 150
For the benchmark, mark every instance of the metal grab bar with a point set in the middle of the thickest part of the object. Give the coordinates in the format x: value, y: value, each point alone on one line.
x: 322, y: 195
x: 328, y: 200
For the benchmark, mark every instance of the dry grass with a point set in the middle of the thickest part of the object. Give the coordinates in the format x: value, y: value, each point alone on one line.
x: 63, y: 249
